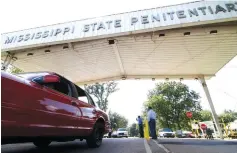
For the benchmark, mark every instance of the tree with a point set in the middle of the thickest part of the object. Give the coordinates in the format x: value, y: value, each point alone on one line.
x: 234, y: 113
x: 117, y: 120
x: 171, y: 101
x: 206, y: 115
x: 228, y: 116
x: 133, y: 131
x: 15, y: 70
x: 102, y: 91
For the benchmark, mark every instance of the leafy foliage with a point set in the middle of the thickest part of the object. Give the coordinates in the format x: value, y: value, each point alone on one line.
x: 206, y: 115
x: 102, y: 91
x: 171, y: 101
x: 15, y: 70
x: 133, y: 130
x: 228, y: 116
x: 117, y: 120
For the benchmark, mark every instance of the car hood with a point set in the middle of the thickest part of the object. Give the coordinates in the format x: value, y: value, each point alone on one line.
x: 122, y: 131
x: 167, y: 132
x: 186, y: 132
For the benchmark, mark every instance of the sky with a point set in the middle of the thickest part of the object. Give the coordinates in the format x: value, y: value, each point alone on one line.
x: 23, y: 14
x: 129, y: 99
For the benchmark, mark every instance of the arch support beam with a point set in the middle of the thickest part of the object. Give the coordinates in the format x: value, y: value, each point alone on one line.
x: 214, y: 115
x: 118, y: 57
x: 9, y: 59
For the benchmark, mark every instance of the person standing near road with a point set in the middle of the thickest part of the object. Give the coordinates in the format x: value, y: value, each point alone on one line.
x: 151, y: 117
x: 110, y: 132
x: 140, y: 124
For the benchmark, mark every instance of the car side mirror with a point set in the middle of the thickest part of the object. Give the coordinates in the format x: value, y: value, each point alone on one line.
x: 47, y: 79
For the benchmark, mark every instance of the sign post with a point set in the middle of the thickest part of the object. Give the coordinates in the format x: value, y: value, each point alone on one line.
x: 190, y: 115
x: 203, y: 126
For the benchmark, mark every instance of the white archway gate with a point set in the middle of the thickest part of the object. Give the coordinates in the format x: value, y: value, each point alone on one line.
x: 186, y: 41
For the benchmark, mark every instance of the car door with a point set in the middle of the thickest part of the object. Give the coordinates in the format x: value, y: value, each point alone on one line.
x: 17, y: 117
x: 89, y: 111
x: 59, y: 108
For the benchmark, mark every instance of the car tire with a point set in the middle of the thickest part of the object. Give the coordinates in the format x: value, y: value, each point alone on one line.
x: 95, y: 139
x: 42, y: 143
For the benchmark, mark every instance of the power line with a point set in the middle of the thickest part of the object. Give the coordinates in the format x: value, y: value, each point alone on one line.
x: 227, y: 94
x: 232, y: 66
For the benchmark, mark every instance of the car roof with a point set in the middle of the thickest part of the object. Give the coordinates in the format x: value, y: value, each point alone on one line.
x: 166, y: 128
x: 30, y: 75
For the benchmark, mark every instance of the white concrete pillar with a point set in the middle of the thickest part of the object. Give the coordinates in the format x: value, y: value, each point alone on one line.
x: 214, y: 115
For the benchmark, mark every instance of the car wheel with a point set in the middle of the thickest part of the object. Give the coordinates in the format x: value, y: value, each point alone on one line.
x: 95, y: 139
x: 42, y: 143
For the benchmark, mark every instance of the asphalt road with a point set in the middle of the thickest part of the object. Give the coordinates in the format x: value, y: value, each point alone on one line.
x: 198, y: 146
x: 131, y: 145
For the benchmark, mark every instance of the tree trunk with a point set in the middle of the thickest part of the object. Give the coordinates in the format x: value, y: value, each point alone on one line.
x: 178, y: 123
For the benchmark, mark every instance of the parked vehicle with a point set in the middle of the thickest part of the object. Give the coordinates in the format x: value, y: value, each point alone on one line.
x: 188, y: 134
x: 184, y: 134
x: 232, y: 130
x: 209, y: 134
x: 108, y: 135
x: 121, y: 132
x: 43, y: 107
x: 179, y: 134
x: 166, y: 132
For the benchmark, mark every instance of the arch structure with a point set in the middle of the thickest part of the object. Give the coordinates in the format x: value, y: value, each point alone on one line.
x: 187, y: 41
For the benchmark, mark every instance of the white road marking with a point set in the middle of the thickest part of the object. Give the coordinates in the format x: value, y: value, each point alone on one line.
x: 161, y: 146
x: 147, y: 147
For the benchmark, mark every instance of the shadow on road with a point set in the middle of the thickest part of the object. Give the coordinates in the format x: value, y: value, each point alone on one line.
x: 53, y: 148
x: 201, y: 143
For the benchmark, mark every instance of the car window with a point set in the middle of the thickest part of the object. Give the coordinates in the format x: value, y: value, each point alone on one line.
x: 63, y: 87
x: 82, y: 96
x: 122, y: 129
x: 90, y: 100
x: 167, y: 130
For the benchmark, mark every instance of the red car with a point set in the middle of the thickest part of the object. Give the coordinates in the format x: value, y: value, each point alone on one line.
x: 43, y: 107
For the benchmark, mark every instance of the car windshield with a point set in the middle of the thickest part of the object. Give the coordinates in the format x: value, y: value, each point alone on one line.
x: 31, y: 75
x: 187, y: 132
x: 122, y: 129
x: 166, y: 130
